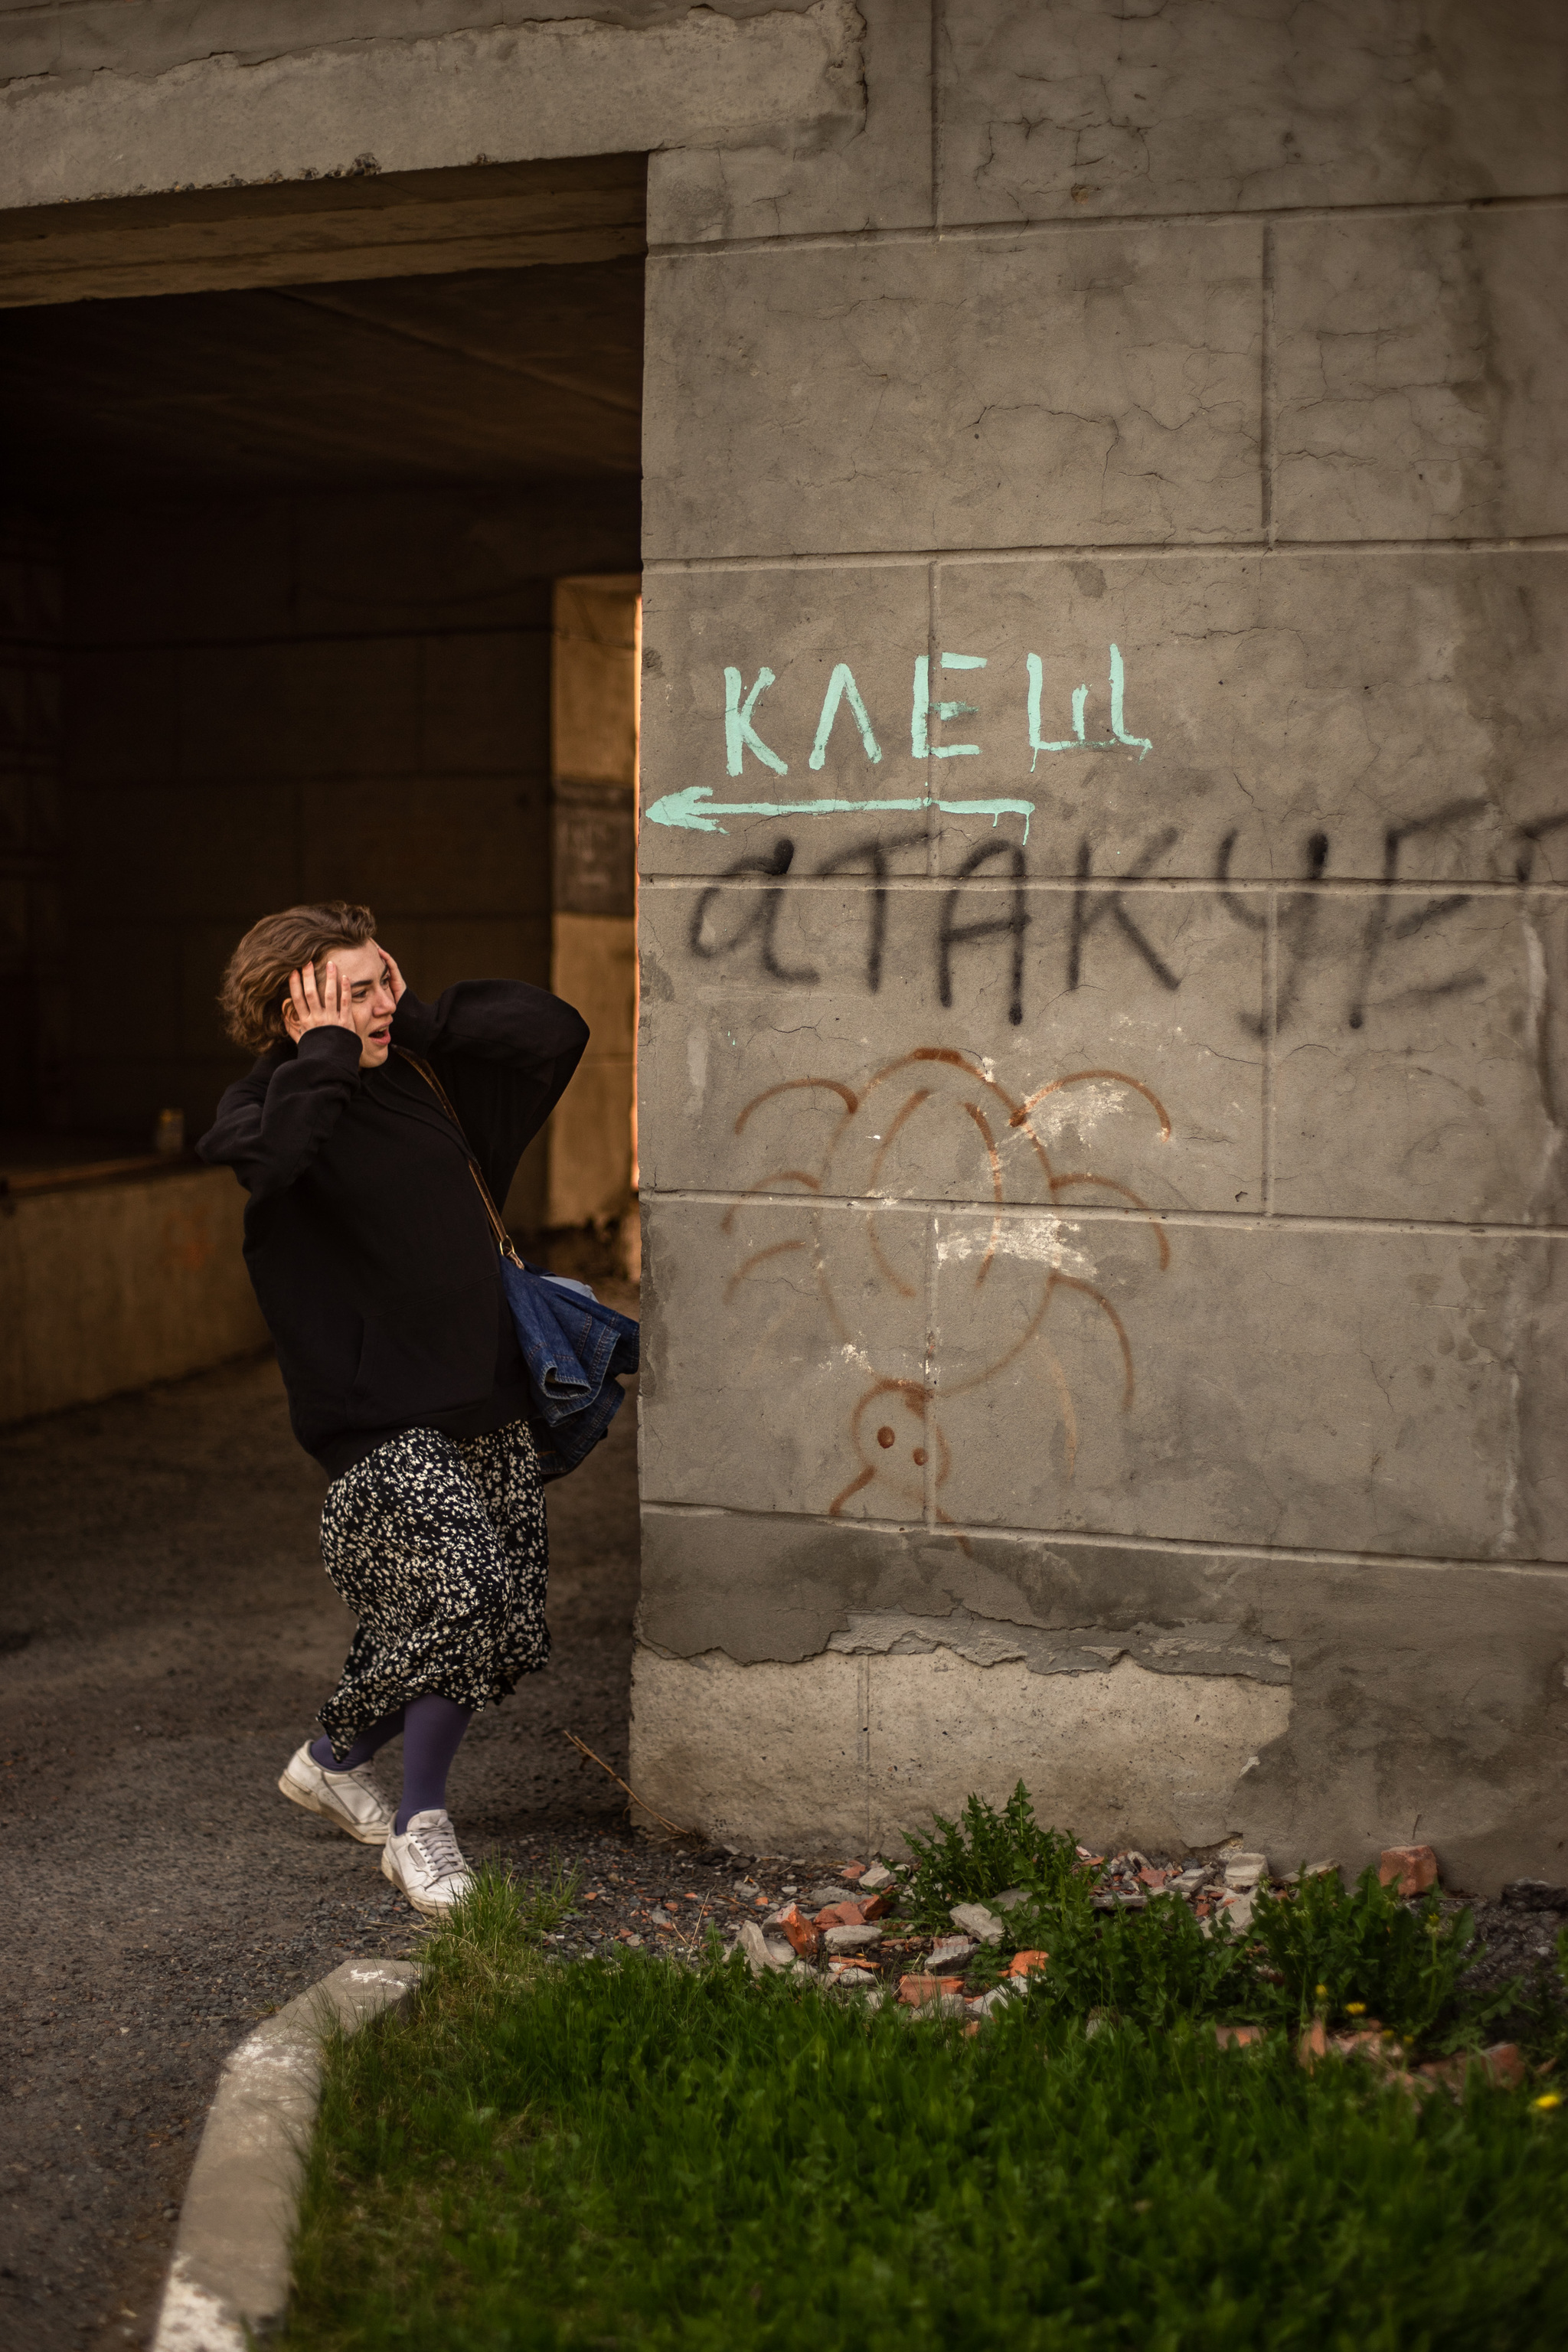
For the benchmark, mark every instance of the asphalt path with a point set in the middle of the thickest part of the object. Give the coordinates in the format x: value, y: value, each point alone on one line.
x: 166, y: 1632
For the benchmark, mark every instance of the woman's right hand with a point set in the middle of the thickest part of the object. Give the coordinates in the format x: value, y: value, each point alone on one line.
x: 314, y: 1007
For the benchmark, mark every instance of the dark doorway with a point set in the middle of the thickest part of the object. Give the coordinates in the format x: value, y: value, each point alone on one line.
x: 281, y: 566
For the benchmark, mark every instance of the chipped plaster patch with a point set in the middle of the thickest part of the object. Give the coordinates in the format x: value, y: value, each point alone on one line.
x: 1037, y: 1239
x: 858, y: 1748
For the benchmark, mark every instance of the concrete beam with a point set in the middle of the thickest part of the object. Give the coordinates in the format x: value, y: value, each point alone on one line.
x: 502, y: 93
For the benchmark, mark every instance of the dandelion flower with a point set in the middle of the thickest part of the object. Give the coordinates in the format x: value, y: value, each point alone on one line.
x: 1355, y: 2009
x: 1321, y: 1991
x: 1548, y: 2099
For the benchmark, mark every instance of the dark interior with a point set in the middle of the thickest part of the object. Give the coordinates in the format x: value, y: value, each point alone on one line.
x: 277, y: 576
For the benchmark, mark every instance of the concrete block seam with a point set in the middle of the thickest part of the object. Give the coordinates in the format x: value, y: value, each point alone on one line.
x: 230, y: 2272
x: 979, y: 232
x: 1180, y: 1546
x: 1229, y: 1221
x: 1238, y: 550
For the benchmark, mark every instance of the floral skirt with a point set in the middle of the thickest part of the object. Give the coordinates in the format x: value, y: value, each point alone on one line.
x: 438, y: 1546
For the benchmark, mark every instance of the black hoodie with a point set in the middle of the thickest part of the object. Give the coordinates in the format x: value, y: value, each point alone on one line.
x: 364, y: 1233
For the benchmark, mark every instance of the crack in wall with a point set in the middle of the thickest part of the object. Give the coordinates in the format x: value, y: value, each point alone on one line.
x: 1189, y: 1648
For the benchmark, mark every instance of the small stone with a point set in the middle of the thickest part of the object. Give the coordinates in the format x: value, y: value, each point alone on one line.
x: 1412, y: 1869
x: 861, y: 1981
x: 946, y: 2005
x: 985, y: 2004
x: 764, y: 1951
x: 949, y: 1952
x: 878, y: 1875
x: 752, y: 1941
x: 1243, y: 1871
x: 820, y: 1898
x: 661, y: 1918
x: 977, y: 1921
x: 852, y: 1940
x: 1535, y: 1894
x: 1010, y: 1898
x: 747, y: 1889
x: 1191, y: 1879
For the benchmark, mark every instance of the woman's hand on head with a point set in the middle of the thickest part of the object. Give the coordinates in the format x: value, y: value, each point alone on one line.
x: 317, y: 1004
x: 395, y: 977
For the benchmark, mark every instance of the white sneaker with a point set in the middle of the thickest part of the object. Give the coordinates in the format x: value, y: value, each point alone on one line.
x: 426, y: 1862
x: 350, y: 1800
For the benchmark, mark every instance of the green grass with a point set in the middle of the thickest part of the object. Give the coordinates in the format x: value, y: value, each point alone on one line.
x: 627, y: 2153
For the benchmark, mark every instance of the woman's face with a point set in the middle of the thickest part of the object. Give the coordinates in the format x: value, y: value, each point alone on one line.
x: 367, y: 999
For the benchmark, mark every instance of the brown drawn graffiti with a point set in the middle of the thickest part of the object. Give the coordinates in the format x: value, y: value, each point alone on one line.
x: 933, y: 1129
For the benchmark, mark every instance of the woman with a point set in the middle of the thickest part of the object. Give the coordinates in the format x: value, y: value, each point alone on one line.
x: 370, y: 1248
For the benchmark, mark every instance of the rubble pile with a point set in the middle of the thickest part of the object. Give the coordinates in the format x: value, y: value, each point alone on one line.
x: 846, y: 1929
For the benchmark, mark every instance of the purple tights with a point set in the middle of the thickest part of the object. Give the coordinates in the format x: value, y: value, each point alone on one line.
x: 432, y: 1732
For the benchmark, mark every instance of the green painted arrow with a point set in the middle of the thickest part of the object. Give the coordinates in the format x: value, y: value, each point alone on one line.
x: 697, y: 811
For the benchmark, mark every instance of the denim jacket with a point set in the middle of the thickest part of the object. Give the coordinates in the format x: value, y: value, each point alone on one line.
x: 576, y: 1350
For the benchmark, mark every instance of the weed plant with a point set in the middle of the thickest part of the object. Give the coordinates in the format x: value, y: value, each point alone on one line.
x: 983, y: 1853
x: 1326, y: 1950
x: 1157, y: 1967
x: 539, y: 2157
x: 1344, y: 1953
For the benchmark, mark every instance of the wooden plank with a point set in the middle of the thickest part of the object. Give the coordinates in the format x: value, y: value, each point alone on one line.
x: 411, y: 223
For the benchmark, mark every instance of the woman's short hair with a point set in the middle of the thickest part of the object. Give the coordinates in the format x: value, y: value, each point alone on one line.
x: 256, y: 982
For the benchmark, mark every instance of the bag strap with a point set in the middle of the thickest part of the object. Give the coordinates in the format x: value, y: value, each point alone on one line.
x: 502, y: 1238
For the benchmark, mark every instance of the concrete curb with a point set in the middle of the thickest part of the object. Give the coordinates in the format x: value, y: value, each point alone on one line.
x: 231, y: 2266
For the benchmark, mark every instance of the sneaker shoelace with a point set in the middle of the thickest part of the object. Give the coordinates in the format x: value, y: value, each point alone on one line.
x: 438, y: 1849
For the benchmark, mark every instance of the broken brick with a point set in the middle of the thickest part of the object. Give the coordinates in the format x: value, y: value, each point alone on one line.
x: 1023, y: 1964
x: 915, y: 1992
x: 1237, y: 2037
x: 795, y: 1924
x: 842, y: 1915
x: 1411, y: 1868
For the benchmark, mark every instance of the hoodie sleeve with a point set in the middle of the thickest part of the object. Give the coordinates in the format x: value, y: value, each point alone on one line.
x: 272, y: 1123
x: 505, y: 1053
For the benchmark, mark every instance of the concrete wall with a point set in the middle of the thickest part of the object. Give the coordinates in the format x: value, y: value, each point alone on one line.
x: 108, y: 1285
x: 1102, y: 1191
x: 302, y: 697
x: 1102, y: 1186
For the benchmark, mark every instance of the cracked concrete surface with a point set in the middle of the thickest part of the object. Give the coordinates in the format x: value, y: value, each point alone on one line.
x: 543, y: 84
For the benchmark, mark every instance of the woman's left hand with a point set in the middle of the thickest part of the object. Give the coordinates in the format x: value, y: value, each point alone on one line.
x: 395, y: 977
